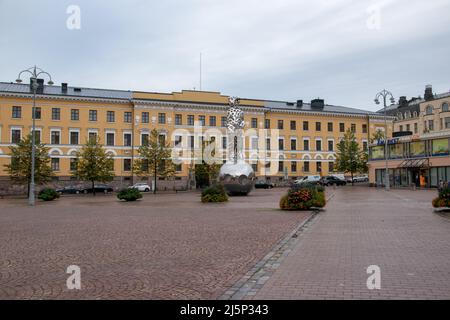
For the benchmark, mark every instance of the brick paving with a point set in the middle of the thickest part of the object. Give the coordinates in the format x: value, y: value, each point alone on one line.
x: 168, y: 246
x: 397, y: 231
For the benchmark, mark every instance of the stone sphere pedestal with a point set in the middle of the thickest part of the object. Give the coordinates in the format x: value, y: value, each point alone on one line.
x: 237, y: 178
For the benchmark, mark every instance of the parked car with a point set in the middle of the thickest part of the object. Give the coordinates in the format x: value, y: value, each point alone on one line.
x: 361, y: 178
x: 69, y: 190
x: 141, y: 186
x: 99, y: 188
x: 308, y: 179
x: 263, y: 185
x: 332, y: 180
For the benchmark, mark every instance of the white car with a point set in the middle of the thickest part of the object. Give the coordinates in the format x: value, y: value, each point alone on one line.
x: 308, y: 179
x: 141, y: 186
x: 361, y: 178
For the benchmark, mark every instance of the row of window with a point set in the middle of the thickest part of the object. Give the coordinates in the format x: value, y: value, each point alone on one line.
x: 145, y: 118
x: 428, y: 125
x: 306, y: 166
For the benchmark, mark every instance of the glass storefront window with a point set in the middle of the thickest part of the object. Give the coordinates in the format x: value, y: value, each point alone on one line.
x: 377, y: 152
x: 440, y: 147
x: 396, y: 151
x: 417, y: 148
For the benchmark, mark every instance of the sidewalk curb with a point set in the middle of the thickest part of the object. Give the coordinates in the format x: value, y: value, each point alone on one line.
x: 258, y: 275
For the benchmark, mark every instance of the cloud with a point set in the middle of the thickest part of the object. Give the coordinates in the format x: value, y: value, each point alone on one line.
x: 259, y: 49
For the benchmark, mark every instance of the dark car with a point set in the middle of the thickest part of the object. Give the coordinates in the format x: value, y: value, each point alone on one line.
x: 330, y: 180
x: 69, y: 190
x: 263, y: 185
x: 99, y: 188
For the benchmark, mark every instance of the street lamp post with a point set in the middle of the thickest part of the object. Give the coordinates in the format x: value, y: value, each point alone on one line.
x: 35, y: 72
x: 385, y: 94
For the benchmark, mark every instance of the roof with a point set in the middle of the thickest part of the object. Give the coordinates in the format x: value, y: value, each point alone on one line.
x: 414, y: 102
x: 284, y: 105
x: 56, y: 90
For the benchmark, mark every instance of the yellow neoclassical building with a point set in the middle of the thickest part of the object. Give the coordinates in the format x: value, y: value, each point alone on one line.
x: 293, y: 138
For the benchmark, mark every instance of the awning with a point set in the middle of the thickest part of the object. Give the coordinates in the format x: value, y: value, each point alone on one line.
x: 415, y: 163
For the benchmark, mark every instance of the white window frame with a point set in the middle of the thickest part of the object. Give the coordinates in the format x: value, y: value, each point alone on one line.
x: 15, y: 128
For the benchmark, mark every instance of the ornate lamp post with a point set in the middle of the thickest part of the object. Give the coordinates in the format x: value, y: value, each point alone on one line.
x: 35, y: 73
x: 385, y: 94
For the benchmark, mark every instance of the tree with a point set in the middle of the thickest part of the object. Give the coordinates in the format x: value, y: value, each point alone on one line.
x: 377, y: 136
x: 208, y: 170
x: 349, y: 156
x: 20, y: 167
x: 154, y: 159
x: 94, y: 164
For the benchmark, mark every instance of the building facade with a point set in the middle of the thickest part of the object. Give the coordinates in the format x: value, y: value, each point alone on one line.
x: 418, y: 153
x: 283, y: 140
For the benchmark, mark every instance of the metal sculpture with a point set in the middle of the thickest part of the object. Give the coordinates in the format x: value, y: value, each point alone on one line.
x: 237, y: 176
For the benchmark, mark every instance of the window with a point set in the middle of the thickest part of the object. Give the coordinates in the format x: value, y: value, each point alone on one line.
x: 293, y: 144
x: 37, y: 136
x: 55, y: 164
x: 255, y: 167
x: 161, y: 118
x: 254, y: 123
x: 190, y: 120
x: 224, y: 142
x: 126, y: 164
x: 318, y: 126
x: 294, y: 166
x: 92, y: 136
x: 401, y: 128
x: 202, y: 120
x: 330, y: 167
x: 127, y: 139
x: 447, y: 123
x: 74, y: 114
x: 145, y: 117
x: 365, y: 146
x: 144, y: 139
x: 319, y: 166
x: 330, y: 126
x: 56, y: 114
x: 92, y: 115
x: 280, y: 124
x: 267, y: 123
x: 431, y: 125
x: 445, y: 107
x: 223, y: 121
x: 268, y: 144
x: 306, y: 166
x: 73, y: 164
x: 37, y: 113
x: 429, y: 110
x: 110, y: 116
x: 162, y: 139
x: 330, y: 145
x: 408, y: 127
x: 293, y: 125
x: 341, y: 127
x: 16, y: 112
x: 191, y: 142
x: 127, y: 117
x: 280, y: 166
x: 55, y: 137
x: 15, y: 135
x: 74, y: 137
x: 306, y: 145
x: 281, y: 144
x: 110, y: 139
x: 353, y: 127
x: 178, y: 141
x: 178, y: 119
x: 178, y: 167
x: 212, y: 121
x: 305, y: 125
x: 416, y: 129
x: 318, y: 145
x: 364, y: 128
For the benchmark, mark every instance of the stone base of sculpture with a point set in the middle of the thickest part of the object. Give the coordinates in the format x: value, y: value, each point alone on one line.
x: 237, y: 178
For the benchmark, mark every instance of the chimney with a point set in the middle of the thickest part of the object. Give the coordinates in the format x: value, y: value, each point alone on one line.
x: 63, y: 87
x: 428, y: 93
x: 317, y: 104
x: 402, y: 102
x: 299, y: 103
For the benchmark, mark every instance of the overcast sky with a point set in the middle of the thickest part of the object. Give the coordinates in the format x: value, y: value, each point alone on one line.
x: 280, y: 50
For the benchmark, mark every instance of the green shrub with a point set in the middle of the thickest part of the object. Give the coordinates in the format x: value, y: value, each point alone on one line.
x: 48, y: 194
x: 303, y: 197
x: 215, y: 193
x: 443, y: 200
x: 129, y: 194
